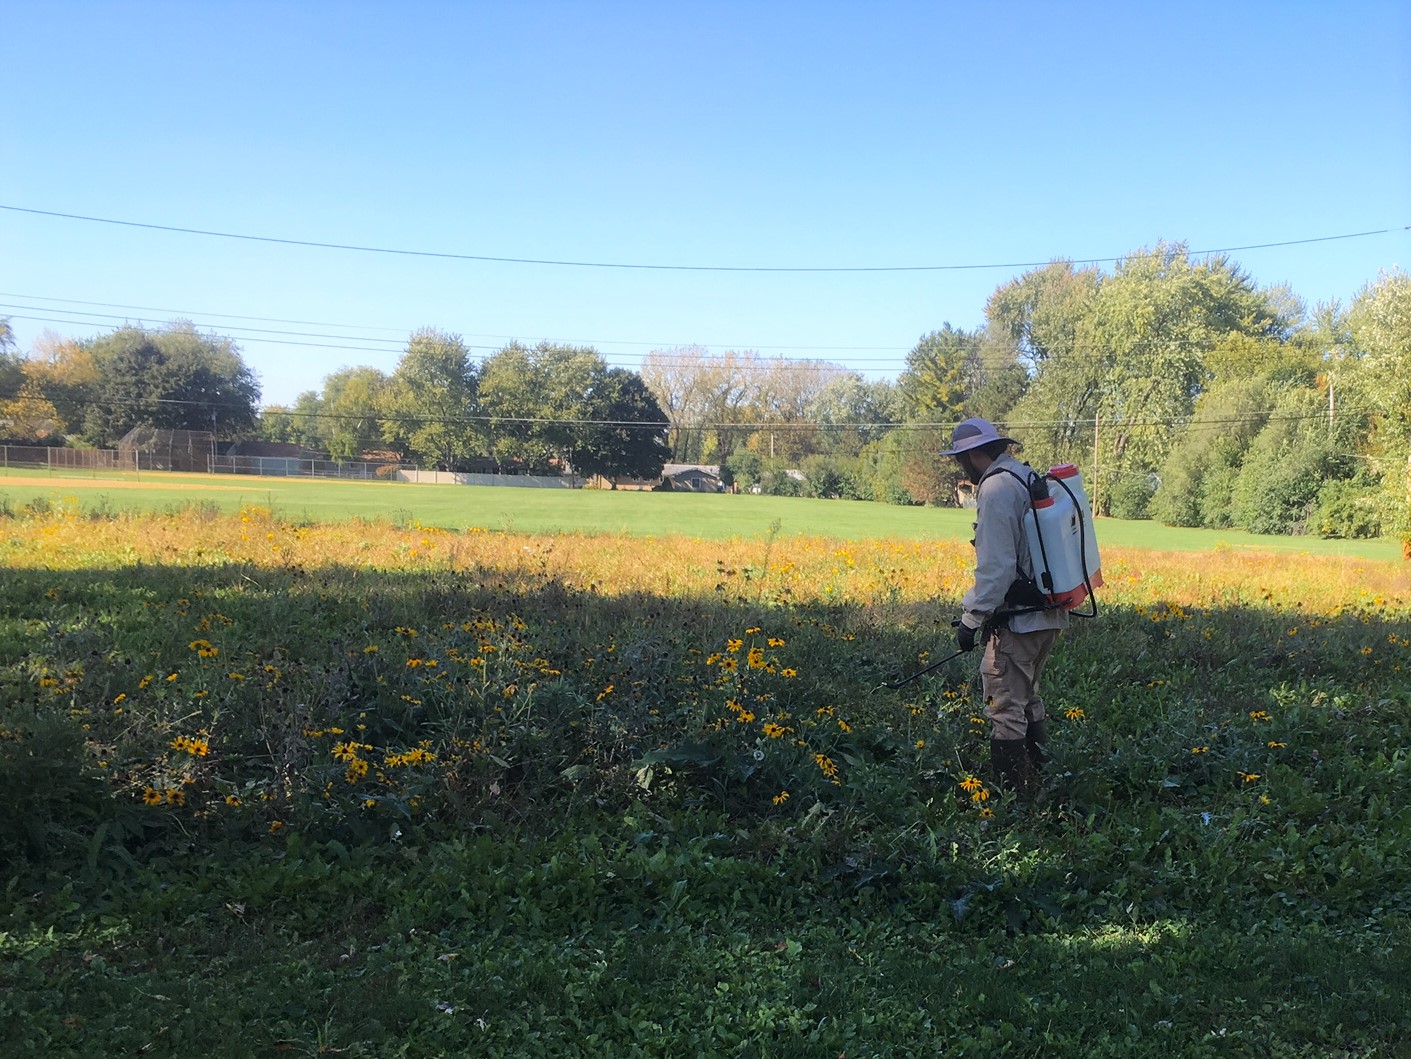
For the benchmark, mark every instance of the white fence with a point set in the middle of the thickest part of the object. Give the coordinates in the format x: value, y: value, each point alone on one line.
x: 523, y: 481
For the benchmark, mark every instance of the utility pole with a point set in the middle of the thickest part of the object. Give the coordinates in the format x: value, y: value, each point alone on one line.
x: 1095, y: 465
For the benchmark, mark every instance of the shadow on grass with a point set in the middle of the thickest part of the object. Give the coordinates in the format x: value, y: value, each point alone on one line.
x: 599, y: 810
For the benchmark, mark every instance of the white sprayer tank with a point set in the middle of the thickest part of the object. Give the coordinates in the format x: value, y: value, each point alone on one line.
x: 1062, y: 543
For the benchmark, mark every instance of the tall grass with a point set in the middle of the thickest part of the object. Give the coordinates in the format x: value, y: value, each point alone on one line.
x: 584, y: 794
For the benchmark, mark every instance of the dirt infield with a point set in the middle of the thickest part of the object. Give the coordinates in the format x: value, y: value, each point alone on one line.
x: 113, y: 483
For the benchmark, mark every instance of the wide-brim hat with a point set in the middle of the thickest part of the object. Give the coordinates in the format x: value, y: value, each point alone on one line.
x: 972, y: 434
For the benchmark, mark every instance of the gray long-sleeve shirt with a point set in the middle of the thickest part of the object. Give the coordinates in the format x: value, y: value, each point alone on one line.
x: 1001, y: 549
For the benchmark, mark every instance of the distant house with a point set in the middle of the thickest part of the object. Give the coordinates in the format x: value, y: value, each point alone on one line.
x: 693, y: 477
x: 683, y: 477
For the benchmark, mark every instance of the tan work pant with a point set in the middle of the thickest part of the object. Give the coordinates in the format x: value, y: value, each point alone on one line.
x: 1009, y: 677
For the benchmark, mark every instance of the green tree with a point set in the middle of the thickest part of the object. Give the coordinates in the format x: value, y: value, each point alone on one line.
x: 177, y: 379
x: 304, y: 424
x: 882, y: 467
x: 1127, y: 355
x: 1289, y: 462
x: 1198, y: 478
x: 851, y: 411
x: 940, y: 374
x: 16, y: 403
x: 431, y: 402
x: 536, y: 400
x: 1377, y: 370
x: 353, y: 399
x: 1044, y: 319
x: 65, y: 374
x: 12, y: 374
x: 1156, y: 323
x: 625, y: 430
x: 743, y: 468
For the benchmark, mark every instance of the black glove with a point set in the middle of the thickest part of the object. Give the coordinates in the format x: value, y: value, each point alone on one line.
x: 965, y: 637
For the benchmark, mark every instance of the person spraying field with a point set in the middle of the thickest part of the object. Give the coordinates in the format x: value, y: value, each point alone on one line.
x: 1035, y: 560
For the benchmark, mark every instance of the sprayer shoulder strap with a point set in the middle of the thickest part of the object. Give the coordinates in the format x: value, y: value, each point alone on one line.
x: 1032, y: 483
x: 1024, y: 586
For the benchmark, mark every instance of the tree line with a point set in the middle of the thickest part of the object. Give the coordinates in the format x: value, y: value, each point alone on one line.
x: 1187, y: 392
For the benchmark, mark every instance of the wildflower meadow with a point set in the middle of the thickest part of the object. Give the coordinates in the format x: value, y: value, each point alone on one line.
x: 373, y: 789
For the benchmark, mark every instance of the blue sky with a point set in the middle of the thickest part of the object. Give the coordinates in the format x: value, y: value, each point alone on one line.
x: 755, y: 135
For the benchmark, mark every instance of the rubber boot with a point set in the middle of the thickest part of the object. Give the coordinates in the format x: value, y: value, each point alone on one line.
x: 1009, y: 758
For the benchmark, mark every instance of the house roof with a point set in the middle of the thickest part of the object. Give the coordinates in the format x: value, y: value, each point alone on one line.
x: 712, y: 469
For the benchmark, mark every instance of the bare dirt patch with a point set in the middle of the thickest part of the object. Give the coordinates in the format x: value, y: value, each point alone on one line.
x: 114, y: 483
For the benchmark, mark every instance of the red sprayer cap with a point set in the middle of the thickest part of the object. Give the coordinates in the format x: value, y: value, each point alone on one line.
x: 1063, y: 470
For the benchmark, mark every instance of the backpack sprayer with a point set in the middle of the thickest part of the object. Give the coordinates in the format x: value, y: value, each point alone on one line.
x: 1058, y: 526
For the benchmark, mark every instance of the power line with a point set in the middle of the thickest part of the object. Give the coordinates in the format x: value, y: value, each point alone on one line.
x: 259, y: 334
x: 187, y: 314
x: 649, y: 267
x: 611, y: 359
x: 988, y: 356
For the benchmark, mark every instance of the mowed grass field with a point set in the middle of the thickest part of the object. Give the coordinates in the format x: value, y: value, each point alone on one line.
x: 590, y: 511
x: 285, y: 784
